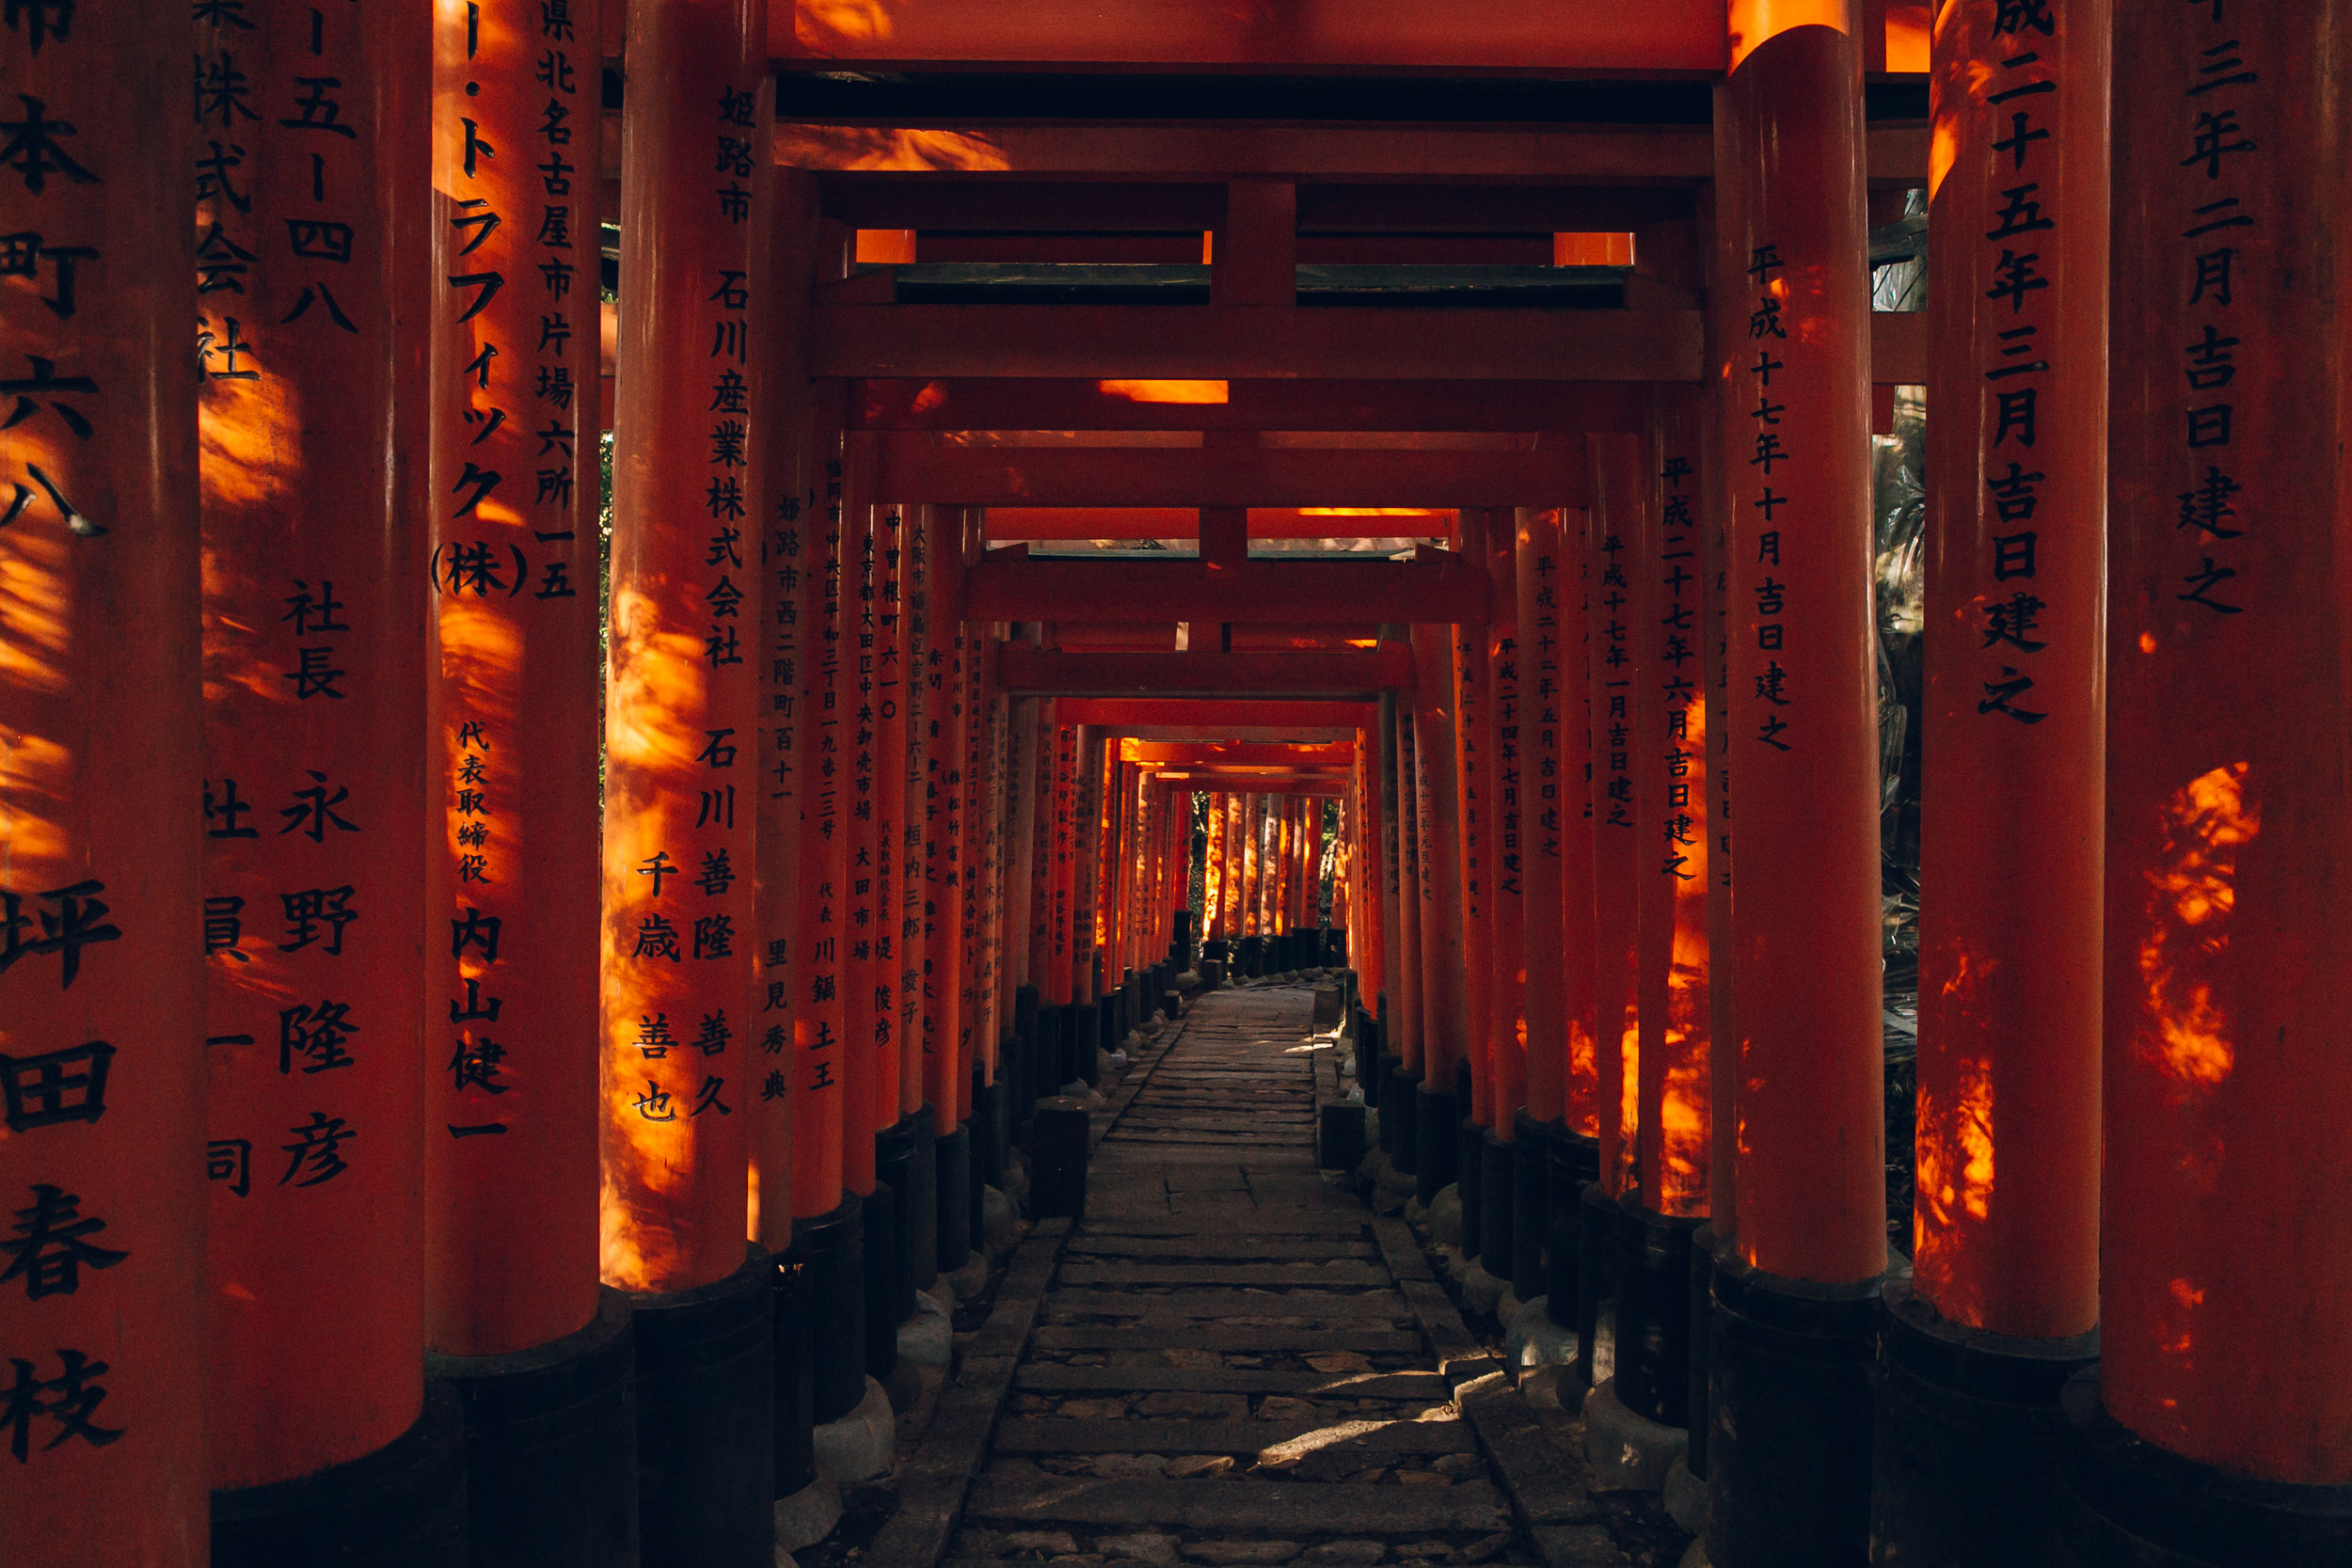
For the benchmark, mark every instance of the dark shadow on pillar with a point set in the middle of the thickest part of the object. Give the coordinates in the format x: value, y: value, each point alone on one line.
x: 832, y: 1252
x: 403, y: 1506
x: 552, y: 1446
x: 705, y: 1422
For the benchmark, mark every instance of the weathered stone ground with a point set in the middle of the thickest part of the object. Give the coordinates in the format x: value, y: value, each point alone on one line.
x: 1231, y: 1360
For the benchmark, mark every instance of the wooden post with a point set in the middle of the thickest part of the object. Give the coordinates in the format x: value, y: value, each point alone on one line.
x: 1613, y: 559
x: 1472, y: 792
x: 2220, y: 1232
x: 315, y: 509
x: 101, y: 986
x: 2009, y: 1001
x: 1675, y: 1080
x: 1443, y: 1025
x: 1792, y: 1483
x: 513, y: 1113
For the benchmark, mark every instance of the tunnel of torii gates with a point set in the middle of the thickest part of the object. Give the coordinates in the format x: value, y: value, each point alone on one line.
x: 1053, y: 555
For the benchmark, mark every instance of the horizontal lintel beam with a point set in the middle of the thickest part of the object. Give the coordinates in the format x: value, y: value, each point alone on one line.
x: 912, y: 469
x: 1291, y: 592
x: 1291, y: 403
x: 1203, y: 753
x: 1229, y: 343
x: 1234, y: 718
x: 1026, y: 671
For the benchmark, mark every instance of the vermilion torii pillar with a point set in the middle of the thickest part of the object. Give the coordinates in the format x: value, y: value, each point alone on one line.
x: 101, y: 986
x: 680, y: 921
x: 1620, y: 521
x: 1789, y: 1463
x: 1468, y: 661
x: 945, y: 1040
x: 311, y: 261
x: 1443, y: 1029
x: 1547, y: 1179
x: 514, y: 770
x: 2222, y: 1425
x: 1506, y: 1254
x: 2005, y: 1269
x: 1668, y: 1199
x: 1400, y: 1114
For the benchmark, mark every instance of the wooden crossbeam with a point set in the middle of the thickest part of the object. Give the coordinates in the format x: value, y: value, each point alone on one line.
x: 1023, y: 669
x: 1236, y: 753
x: 1226, y: 342
x: 1231, y: 716
x: 913, y: 469
x: 1299, y: 592
x: 1291, y: 403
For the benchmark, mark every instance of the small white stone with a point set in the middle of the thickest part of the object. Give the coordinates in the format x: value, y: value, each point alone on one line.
x: 1145, y: 1547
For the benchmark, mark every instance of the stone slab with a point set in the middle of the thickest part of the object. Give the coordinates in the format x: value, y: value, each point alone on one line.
x: 1335, y: 1274
x: 1384, y: 1306
x: 1056, y: 1435
x: 1238, y: 1505
x: 1305, y: 1341
x: 1216, y: 1245
x: 1050, y: 1378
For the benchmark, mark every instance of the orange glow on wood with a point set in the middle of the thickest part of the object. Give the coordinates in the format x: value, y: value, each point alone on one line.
x: 1167, y: 392
x: 678, y: 936
x: 1810, y: 1163
x: 2009, y: 994
x: 1592, y: 250
x: 1672, y: 825
x: 102, y: 1011
x: 313, y: 474
x: 512, y: 725
x: 2225, y: 1314
x: 884, y: 246
x: 1617, y: 660
x: 1752, y: 24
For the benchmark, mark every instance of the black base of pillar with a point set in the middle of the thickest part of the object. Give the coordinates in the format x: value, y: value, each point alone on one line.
x: 1400, y: 1124
x: 954, y: 1167
x: 1437, y: 1116
x: 922, y: 1241
x: 1077, y: 1042
x: 893, y: 1168
x: 830, y: 1249
x: 877, y: 1213
x: 1789, y: 1463
x: 1497, y: 1207
x: 1018, y: 1072
x: 1109, y: 1033
x: 403, y: 1506
x: 552, y: 1446
x: 794, y: 1401
x: 1595, y: 1269
x: 1575, y: 1166
x: 1469, y: 1144
x: 1045, y: 1056
x: 1965, y: 1417
x: 1654, y: 1312
x: 706, y: 1422
x: 1701, y: 1301
x: 2128, y: 1504
x: 1057, y: 1174
x: 987, y: 1120
x: 1531, y: 1205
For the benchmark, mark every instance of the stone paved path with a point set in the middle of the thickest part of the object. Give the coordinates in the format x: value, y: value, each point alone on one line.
x: 1227, y: 1369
